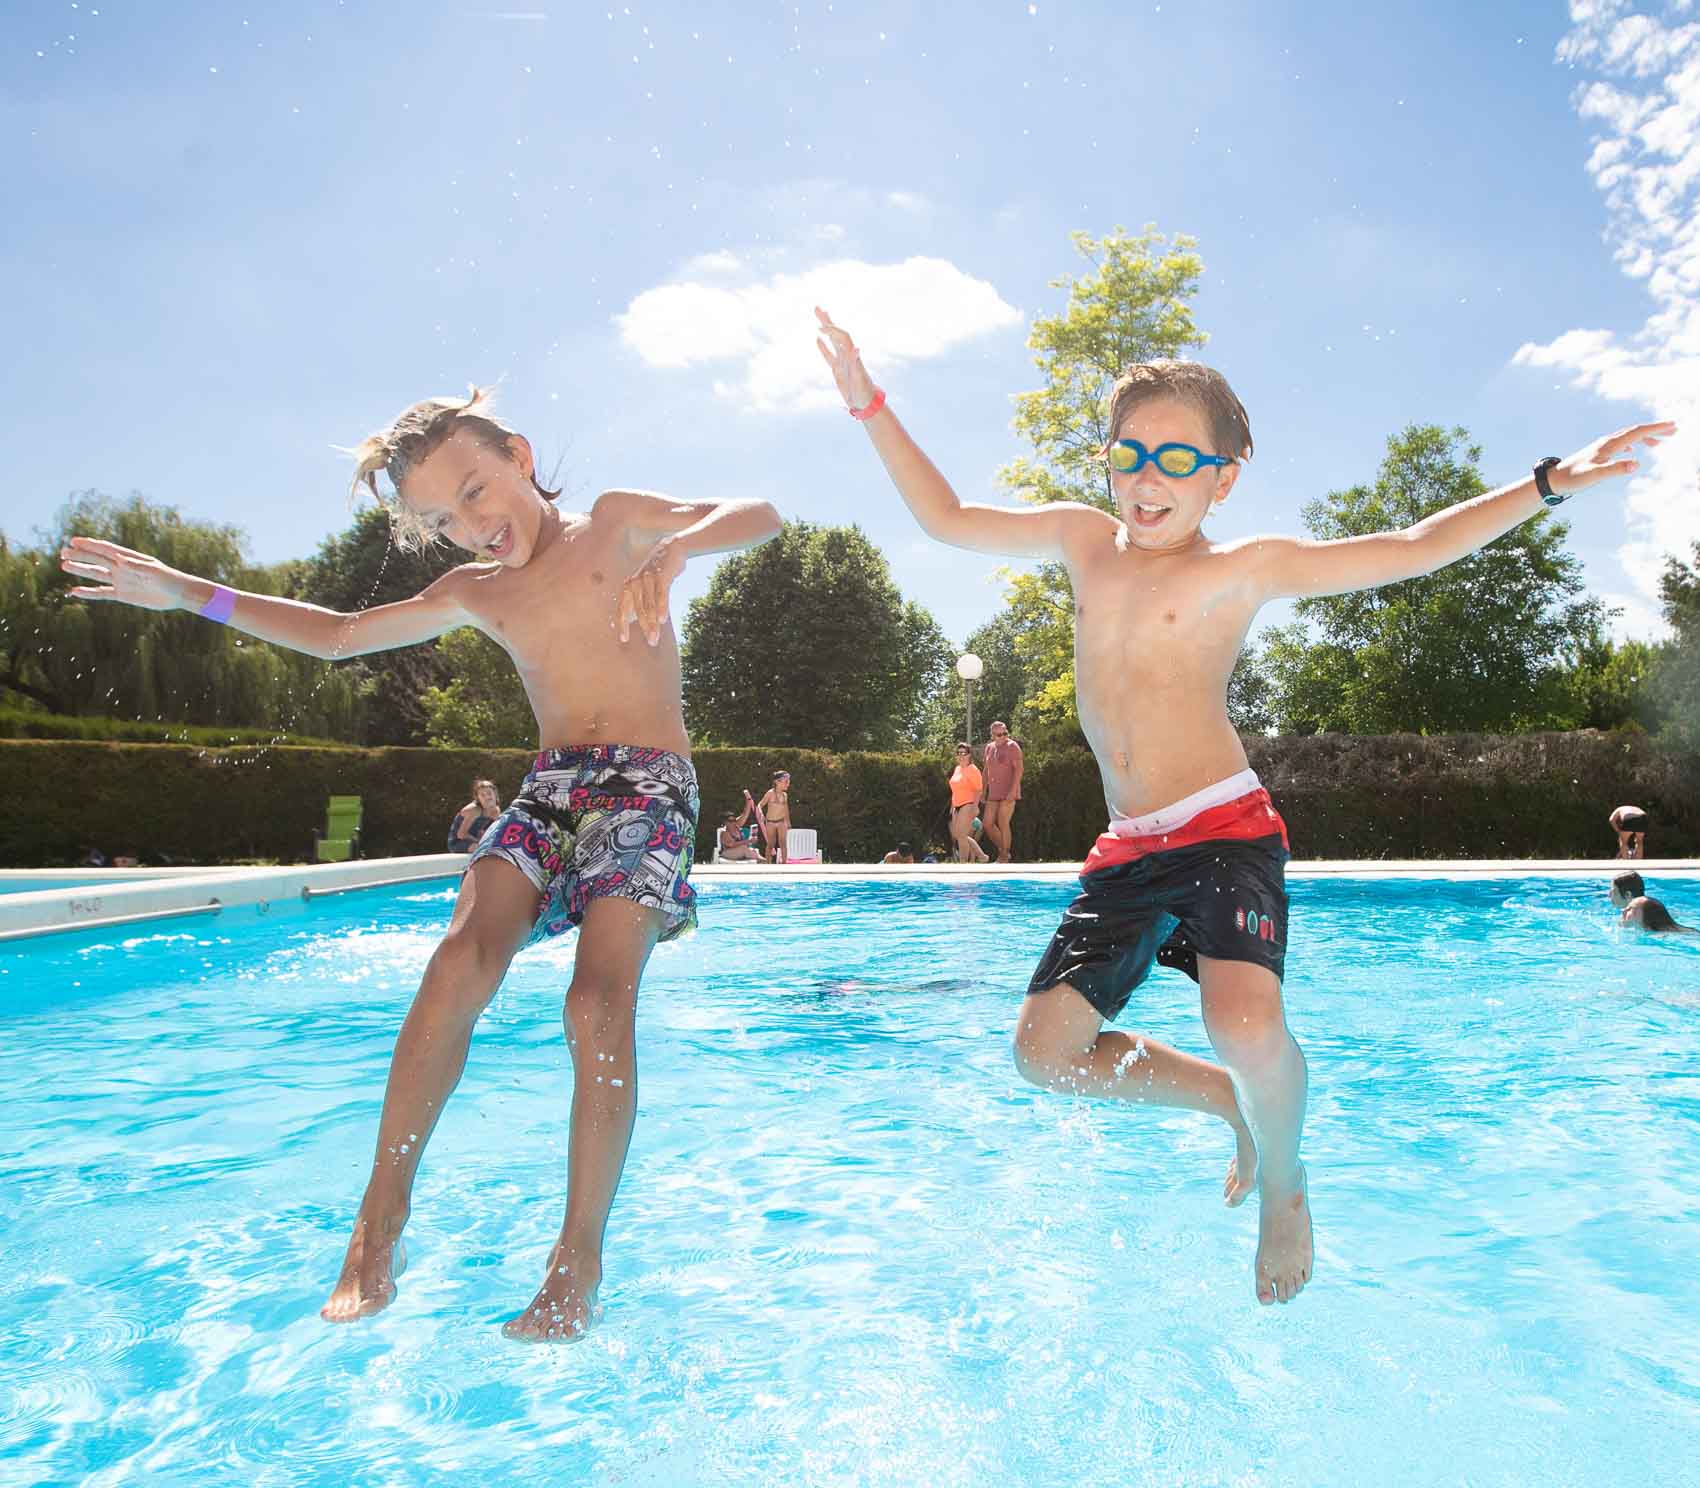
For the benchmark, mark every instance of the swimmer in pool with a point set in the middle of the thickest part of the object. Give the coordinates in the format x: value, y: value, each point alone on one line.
x: 1191, y: 870
x: 1644, y: 913
x: 601, y: 834
x: 1625, y: 887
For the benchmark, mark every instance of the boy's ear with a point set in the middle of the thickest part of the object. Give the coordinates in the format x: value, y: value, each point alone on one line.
x: 1226, y: 475
x: 519, y: 451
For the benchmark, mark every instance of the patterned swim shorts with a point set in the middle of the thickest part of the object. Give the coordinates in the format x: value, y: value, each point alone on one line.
x: 605, y: 821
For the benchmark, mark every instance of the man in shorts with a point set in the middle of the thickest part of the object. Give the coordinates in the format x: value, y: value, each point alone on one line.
x: 1630, y: 824
x: 1003, y: 788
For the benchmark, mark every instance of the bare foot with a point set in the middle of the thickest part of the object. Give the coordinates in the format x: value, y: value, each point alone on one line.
x: 565, y: 1305
x: 375, y: 1259
x: 1284, y: 1254
x: 1242, y: 1171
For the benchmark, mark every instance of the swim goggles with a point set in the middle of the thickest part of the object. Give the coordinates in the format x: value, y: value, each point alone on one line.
x: 1129, y: 455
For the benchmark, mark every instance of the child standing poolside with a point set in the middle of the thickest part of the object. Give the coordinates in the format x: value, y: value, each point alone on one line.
x: 1191, y: 870
x: 599, y: 837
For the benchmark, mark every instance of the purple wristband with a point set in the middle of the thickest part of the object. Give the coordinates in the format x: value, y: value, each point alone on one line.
x: 220, y: 606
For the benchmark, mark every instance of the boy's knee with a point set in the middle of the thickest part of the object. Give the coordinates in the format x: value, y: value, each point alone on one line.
x: 1247, y: 1036
x: 600, y: 1008
x: 466, y: 969
x: 1040, y: 1058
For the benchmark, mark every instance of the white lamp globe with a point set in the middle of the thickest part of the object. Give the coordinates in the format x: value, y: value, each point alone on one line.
x: 969, y: 667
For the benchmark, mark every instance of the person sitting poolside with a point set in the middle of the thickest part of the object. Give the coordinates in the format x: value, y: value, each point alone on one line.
x: 474, y: 818
x: 1625, y: 887
x: 1630, y: 824
x: 1649, y: 914
x: 902, y: 853
x: 734, y: 847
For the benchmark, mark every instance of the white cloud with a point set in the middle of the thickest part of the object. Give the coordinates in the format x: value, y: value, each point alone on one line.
x: 908, y: 201
x: 1646, y: 164
x: 718, y: 262
x: 904, y: 312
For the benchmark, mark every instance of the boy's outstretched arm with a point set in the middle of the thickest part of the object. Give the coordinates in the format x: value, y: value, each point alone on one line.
x: 669, y: 533
x: 1033, y: 532
x: 134, y: 578
x: 1295, y: 567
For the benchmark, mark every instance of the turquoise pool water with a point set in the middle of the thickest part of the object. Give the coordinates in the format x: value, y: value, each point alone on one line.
x: 851, y: 1246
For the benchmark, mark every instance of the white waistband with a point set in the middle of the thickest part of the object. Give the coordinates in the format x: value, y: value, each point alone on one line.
x: 1170, y: 818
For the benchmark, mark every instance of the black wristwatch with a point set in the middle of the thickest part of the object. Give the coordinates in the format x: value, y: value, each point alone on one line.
x: 1548, y: 495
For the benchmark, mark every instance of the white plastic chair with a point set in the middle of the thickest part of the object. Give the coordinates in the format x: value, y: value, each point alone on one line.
x: 800, y: 846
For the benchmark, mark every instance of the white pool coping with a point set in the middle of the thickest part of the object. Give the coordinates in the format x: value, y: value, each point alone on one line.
x: 147, y: 896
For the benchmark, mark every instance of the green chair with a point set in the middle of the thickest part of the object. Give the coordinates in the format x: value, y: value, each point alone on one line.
x: 340, y: 839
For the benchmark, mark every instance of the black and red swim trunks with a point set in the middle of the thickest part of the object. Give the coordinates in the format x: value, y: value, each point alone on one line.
x: 1213, y: 885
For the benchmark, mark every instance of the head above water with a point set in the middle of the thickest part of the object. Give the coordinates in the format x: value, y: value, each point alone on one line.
x: 485, y: 794
x: 1174, y: 402
x: 458, y: 473
x: 1627, y: 886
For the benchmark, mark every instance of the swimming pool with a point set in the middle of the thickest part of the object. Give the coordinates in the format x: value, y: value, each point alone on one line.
x: 851, y: 1246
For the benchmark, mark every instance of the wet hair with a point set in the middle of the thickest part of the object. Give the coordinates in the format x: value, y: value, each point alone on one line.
x: 413, y: 435
x: 1192, y: 383
x: 1655, y: 917
x: 1631, y: 884
x: 904, y: 850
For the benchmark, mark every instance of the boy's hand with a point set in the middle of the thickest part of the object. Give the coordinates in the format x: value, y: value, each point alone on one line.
x: 839, y: 353
x: 1605, y: 458
x: 129, y: 577
x: 643, y: 597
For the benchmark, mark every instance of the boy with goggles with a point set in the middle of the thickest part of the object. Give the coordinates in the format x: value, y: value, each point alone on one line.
x: 1190, y: 872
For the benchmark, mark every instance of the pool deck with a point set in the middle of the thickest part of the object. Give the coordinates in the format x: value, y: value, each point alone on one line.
x: 143, y: 897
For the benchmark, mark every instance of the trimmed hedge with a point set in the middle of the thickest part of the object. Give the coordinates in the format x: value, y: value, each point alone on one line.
x: 23, y: 723
x: 1458, y: 796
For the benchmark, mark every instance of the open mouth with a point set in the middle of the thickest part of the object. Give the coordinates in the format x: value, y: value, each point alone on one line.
x: 1149, y: 514
x: 502, y: 543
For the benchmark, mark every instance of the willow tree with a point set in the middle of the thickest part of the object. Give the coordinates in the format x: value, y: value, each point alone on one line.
x: 72, y: 657
x: 1132, y: 304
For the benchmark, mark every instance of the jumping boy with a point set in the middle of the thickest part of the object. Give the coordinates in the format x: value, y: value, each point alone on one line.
x: 1191, y: 870
x: 601, y: 833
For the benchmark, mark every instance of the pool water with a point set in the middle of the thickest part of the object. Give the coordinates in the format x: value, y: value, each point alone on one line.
x: 851, y: 1246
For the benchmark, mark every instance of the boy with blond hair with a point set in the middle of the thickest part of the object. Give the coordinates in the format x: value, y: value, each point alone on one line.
x: 601, y: 834
x: 1190, y: 872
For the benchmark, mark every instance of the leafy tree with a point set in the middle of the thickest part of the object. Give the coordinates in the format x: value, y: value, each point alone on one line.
x: 75, y: 658
x: 1675, y: 685
x: 1132, y: 305
x: 1482, y: 644
x: 805, y: 641
x: 483, y: 704
x: 1611, y: 683
x: 1251, y: 694
x: 998, y: 694
x: 361, y: 567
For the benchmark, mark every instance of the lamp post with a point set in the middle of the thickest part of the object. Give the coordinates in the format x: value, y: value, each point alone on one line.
x: 969, y: 667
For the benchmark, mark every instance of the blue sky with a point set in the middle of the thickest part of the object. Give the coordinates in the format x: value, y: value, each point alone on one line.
x: 234, y: 240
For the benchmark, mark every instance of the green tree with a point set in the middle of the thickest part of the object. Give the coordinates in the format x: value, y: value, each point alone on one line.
x: 1131, y: 305
x: 1675, y: 685
x: 1000, y: 692
x: 1482, y: 644
x: 361, y: 567
x: 483, y: 704
x: 805, y: 641
x: 79, y: 658
x: 1611, y: 683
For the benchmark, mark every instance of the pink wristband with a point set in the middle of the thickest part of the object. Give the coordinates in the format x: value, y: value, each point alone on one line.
x: 220, y: 606
x: 875, y: 403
